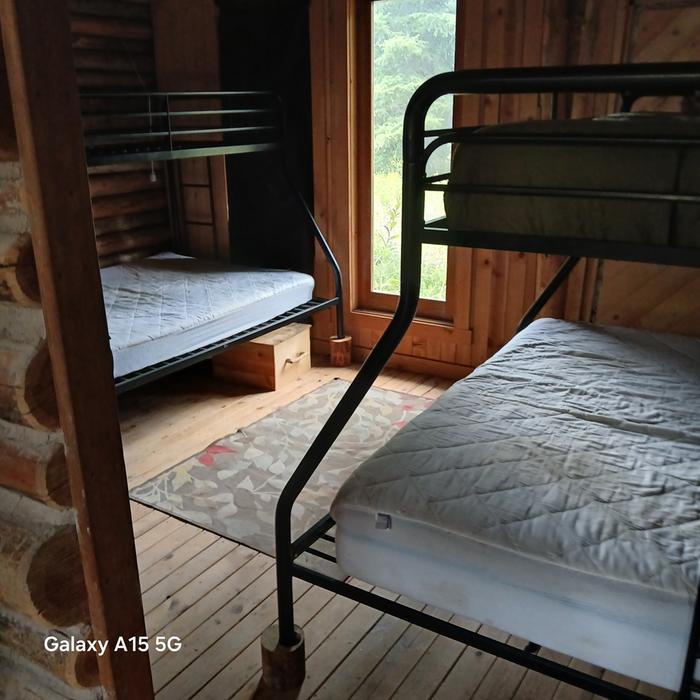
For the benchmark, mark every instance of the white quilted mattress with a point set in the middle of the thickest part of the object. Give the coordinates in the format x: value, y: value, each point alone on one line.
x: 554, y: 494
x: 168, y: 304
x: 598, y: 167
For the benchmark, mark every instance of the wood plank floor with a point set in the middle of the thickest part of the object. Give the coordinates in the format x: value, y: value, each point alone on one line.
x: 218, y: 597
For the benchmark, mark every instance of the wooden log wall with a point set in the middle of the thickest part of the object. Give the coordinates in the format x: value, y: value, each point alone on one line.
x: 186, y: 49
x: 43, y: 584
x: 113, y: 52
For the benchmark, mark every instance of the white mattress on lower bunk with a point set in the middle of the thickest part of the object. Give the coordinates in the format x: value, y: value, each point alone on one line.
x: 554, y: 494
x: 168, y: 304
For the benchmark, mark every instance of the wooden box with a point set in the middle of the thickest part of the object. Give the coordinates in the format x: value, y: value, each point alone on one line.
x: 270, y: 361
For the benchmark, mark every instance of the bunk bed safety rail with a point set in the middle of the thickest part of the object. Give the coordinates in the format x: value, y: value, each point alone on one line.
x: 121, y: 127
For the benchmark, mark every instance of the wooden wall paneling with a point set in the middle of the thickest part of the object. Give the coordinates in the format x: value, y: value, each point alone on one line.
x: 602, y: 31
x: 464, y: 263
x: 648, y: 296
x: 538, y: 42
x: 185, y: 36
x: 652, y: 297
x: 113, y: 52
x: 362, y: 243
x: 496, y: 34
x: 332, y: 64
x: 491, y: 33
x: 339, y: 70
x: 38, y: 53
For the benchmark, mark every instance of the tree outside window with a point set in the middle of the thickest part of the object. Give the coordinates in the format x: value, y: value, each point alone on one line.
x: 412, y: 41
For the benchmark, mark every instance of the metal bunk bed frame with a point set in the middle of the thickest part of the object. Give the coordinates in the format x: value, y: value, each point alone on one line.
x: 150, y: 127
x: 630, y: 82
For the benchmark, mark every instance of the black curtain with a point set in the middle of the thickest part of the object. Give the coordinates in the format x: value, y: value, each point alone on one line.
x: 265, y: 46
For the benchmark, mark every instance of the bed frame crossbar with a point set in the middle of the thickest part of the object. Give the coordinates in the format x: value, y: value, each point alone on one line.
x: 630, y: 82
x: 509, y: 652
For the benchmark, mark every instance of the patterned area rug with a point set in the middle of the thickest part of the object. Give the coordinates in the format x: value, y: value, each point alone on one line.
x: 231, y: 488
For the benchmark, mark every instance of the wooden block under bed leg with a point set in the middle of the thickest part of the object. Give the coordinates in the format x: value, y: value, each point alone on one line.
x: 283, y: 668
x: 341, y: 351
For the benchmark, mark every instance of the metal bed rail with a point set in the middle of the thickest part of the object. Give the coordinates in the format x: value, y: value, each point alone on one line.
x: 630, y: 82
x: 123, y: 127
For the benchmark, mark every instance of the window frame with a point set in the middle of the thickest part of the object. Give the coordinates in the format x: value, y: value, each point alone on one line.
x: 366, y: 297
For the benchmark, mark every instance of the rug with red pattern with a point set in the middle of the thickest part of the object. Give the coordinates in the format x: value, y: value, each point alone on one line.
x: 231, y: 488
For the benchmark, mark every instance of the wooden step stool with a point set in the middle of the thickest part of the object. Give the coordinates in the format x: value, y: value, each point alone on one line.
x: 270, y: 361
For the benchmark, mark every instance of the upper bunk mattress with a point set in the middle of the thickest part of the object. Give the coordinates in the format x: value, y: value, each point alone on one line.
x: 163, y: 306
x: 629, y: 168
x: 554, y: 494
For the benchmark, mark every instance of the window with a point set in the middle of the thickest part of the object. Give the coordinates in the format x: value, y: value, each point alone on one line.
x: 409, y: 41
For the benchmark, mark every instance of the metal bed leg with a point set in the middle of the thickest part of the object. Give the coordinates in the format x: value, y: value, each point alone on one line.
x: 688, y: 684
x: 340, y: 344
x: 283, y: 667
x: 289, y: 636
x: 412, y: 223
x: 562, y: 273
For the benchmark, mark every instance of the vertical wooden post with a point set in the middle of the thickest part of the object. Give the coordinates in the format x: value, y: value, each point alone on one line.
x: 37, y: 43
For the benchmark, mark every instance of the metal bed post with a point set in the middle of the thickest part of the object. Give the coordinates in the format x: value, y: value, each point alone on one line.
x: 325, y: 249
x: 413, y: 197
x: 335, y: 268
x: 318, y: 234
x: 546, y: 294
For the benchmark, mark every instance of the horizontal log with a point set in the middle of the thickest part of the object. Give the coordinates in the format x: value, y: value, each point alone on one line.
x: 113, y: 122
x: 26, y: 384
x: 34, y: 463
x: 14, y: 216
x: 111, y: 8
x: 119, y: 205
x: 137, y: 239
x: 20, y: 678
x: 115, y: 28
x: 21, y: 324
x: 96, y: 79
x: 107, y: 43
x: 110, y: 61
x: 40, y: 560
x: 121, y: 258
x: 113, y: 168
x: 26, y: 640
x: 124, y: 183
x: 18, y: 280
x: 145, y: 219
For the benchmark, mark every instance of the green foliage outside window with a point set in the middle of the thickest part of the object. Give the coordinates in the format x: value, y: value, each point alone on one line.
x: 413, y: 40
